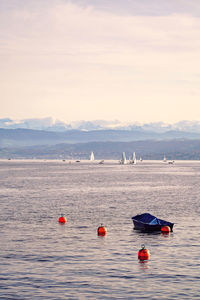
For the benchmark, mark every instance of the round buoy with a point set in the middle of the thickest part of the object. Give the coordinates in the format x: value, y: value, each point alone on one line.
x: 62, y: 219
x: 143, y: 254
x: 165, y: 229
x: 102, y: 230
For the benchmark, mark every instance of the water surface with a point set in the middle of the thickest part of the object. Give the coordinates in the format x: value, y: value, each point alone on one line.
x: 41, y: 259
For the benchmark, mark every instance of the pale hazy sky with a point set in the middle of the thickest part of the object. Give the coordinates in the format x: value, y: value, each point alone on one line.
x: 131, y: 60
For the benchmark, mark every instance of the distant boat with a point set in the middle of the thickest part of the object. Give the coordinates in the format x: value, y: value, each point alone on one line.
x: 164, y: 159
x: 101, y: 162
x: 123, y: 160
x: 133, y: 160
x: 92, y: 156
x: 140, y: 158
x: 78, y: 161
x: 171, y: 162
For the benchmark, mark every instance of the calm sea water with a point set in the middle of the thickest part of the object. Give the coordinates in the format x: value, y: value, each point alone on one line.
x: 41, y: 259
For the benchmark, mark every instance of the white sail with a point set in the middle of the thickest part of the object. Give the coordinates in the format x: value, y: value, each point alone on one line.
x: 134, y: 159
x: 164, y: 158
x: 123, y: 161
x: 92, y: 156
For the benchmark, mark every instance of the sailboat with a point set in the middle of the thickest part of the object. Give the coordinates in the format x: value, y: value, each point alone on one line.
x: 164, y: 159
x: 123, y: 160
x: 133, y: 161
x: 92, y: 156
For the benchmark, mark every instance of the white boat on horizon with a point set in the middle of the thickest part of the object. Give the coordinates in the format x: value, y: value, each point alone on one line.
x: 123, y: 160
x: 133, y: 160
x: 92, y: 156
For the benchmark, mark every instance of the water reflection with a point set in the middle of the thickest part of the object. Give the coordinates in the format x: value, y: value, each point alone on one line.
x: 143, y: 264
x: 165, y: 234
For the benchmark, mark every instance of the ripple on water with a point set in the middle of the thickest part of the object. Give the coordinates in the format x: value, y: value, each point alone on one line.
x: 41, y: 259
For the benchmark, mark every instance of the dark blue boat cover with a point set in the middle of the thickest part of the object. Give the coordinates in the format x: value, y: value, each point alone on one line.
x: 149, y: 219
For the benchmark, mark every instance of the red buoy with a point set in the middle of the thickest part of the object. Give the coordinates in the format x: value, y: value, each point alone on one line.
x: 143, y: 254
x: 165, y: 229
x: 102, y: 230
x: 62, y: 219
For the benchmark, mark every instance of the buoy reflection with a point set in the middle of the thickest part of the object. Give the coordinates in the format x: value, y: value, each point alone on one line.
x: 165, y: 234
x: 144, y: 264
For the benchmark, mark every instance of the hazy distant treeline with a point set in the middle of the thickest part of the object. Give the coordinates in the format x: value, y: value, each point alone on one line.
x: 149, y: 149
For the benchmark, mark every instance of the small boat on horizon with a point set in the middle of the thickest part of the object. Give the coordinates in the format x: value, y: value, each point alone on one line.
x: 133, y: 161
x: 164, y: 159
x: 92, y: 156
x: 123, y: 161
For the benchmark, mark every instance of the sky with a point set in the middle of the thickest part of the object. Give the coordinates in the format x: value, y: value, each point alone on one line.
x: 127, y: 60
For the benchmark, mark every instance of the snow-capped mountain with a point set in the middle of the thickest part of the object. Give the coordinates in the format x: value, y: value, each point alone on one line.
x: 49, y: 124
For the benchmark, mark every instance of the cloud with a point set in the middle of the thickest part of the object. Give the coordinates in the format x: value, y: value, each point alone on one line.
x: 67, y: 29
x: 58, y: 56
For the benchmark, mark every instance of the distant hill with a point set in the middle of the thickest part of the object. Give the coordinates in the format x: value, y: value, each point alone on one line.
x: 149, y: 149
x: 28, y: 137
x: 106, y: 143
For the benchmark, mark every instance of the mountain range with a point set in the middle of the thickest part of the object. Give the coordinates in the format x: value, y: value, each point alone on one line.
x: 28, y: 137
x: 107, y: 139
x: 49, y: 124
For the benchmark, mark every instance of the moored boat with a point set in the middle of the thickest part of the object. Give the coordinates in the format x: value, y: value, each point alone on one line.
x: 149, y: 223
